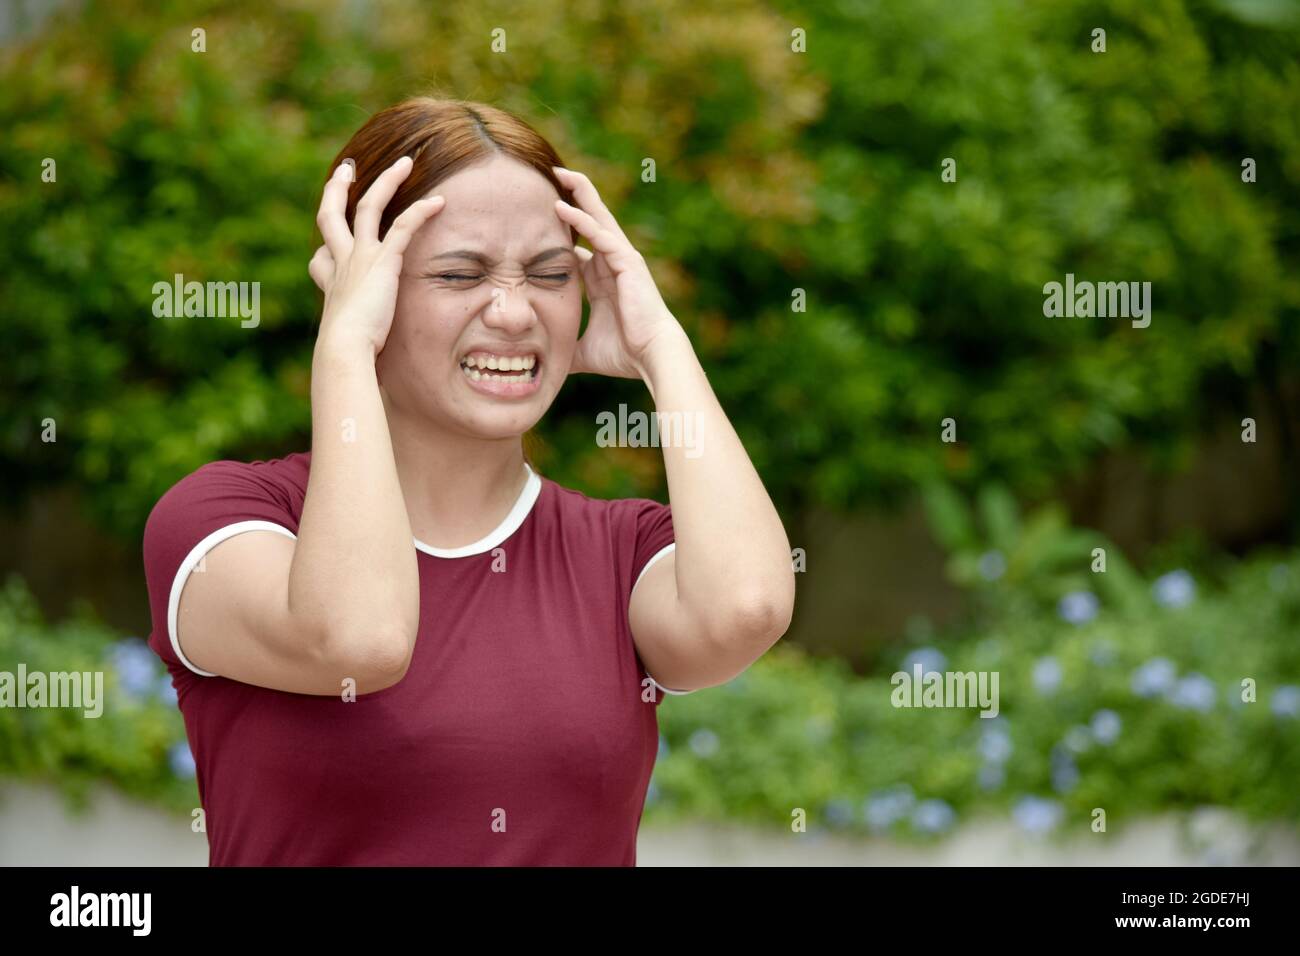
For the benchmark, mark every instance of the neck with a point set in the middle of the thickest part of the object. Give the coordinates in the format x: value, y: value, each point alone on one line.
x: 457, y: 488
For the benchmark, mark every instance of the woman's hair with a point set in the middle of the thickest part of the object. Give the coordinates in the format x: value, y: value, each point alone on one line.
x: 442, y: 137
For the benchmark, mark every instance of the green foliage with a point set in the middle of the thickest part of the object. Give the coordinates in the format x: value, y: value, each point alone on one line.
x: 132, y: 744
x: 776, y: 171
x: 795, y: 732
x: 1006, y: 560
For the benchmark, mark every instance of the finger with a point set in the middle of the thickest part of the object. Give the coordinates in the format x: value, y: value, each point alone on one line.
x: 371, y: 207
x: 615, y: 247
x: 594, y: 268
x: 331, y: 217
x: 409, y: 222
x: 321, y: 267
x: 584, y: 191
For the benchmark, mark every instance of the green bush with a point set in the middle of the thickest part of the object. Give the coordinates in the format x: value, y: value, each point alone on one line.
x: 776, y: 170
x: 798, y: 732
x: 794, y: 732
x: 137, y: 743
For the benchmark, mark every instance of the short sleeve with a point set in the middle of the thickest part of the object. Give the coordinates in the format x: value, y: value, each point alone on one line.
x: 208, y: 506
x: 654, y: 541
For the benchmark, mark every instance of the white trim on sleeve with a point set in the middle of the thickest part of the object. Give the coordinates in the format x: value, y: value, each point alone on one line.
x: 667, y: 690
x: 655, y: 557
x: 192, y: 561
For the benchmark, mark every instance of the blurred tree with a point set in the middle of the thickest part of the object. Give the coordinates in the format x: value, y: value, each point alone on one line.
x: 776, y: 171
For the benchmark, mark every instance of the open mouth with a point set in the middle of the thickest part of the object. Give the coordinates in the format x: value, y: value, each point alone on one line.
x: 490, y: 367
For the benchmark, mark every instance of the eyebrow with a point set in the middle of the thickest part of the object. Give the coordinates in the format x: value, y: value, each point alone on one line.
x: 484, y: 260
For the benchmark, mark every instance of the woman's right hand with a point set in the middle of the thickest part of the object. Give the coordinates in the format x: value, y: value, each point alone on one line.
x: 359, y: 274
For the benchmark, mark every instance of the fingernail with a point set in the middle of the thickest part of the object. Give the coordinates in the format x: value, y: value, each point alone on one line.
x: 349, y: 168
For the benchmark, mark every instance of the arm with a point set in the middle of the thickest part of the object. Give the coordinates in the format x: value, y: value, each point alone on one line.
x: 342, y: 600
x: 726, y: 593
x: 302, y: 614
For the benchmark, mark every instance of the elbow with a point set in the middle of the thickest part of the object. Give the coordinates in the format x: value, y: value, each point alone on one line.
x: 375, y: 658
x: 760, y: 617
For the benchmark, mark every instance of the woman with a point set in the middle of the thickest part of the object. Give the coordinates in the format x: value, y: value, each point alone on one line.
x: 406, y: 647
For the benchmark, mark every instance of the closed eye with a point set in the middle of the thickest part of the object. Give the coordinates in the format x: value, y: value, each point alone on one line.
x: 463, y: 277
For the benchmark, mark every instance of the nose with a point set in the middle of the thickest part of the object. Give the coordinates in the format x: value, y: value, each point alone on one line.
x: 510, y: 310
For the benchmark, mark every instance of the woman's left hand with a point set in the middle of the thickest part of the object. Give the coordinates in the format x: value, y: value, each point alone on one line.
x: 628, y: 315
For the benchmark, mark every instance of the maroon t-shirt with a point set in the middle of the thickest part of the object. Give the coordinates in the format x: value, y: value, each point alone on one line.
x: 524, y: 732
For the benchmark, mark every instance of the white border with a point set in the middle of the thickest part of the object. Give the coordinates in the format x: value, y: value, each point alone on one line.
x: 523, y: 505
x: 655, y: 557
x: 191, y: 561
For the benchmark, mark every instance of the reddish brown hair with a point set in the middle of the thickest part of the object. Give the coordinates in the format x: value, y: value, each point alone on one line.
x: 442, y: 137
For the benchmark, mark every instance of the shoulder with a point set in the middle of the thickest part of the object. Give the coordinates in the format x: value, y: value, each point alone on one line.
x: 287, y: 475
x: 224, y: 493
x: 636, y: 529
x: 573, y: 505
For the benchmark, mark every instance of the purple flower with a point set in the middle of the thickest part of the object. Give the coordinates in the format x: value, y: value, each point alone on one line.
x: 929, y: 658
x: 886, y: 807
x: 182, y: 761
x: 1102, y: 653
x: 992, y: 565
x: 933, y: 816
x: 1078, y: 739
x: 1106, y: 726
x: 995, y: 745
x: 1286, y: 701
x: 1175, y: 589
x: 1154, y: 678
x: 1078, y: 607
x: 1065, y: 778
x: 704, y: 743
x: 992, y: 776
x: 166, y: 692
x: 1047, y: 675
x: 1194, y: 692
x: 135, y: 665
x: 839, y: 813
x: 1065, y: 775
x: 1037, y: 815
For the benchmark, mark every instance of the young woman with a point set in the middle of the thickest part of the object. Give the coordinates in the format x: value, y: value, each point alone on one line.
x: 406, y: 647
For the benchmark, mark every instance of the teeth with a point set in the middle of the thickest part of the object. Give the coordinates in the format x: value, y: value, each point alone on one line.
x: 476, y: 375
x: 513, y: 363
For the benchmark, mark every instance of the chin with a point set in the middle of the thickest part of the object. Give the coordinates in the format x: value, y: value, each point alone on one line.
x: 494, y: 424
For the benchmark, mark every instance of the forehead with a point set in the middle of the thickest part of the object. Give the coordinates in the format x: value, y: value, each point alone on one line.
x: 498, y: 201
